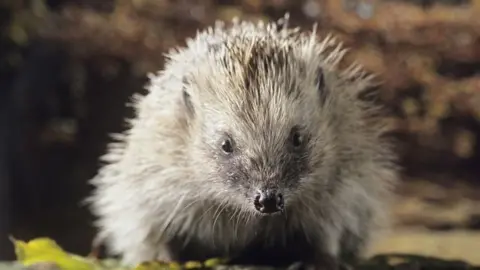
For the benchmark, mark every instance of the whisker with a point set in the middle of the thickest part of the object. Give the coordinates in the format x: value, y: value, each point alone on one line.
x: 215, y: 215
x: 225, y: 205
x: 172, y: 215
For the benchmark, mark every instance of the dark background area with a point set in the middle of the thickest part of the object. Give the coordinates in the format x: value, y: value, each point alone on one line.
x: 67, y: 68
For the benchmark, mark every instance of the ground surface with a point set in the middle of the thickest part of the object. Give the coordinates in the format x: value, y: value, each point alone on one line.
x: 430, y: 219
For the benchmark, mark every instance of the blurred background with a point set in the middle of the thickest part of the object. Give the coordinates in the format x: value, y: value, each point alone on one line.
x: 67, y: 67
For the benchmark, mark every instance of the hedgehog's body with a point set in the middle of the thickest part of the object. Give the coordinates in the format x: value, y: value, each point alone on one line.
x: 241, y: 113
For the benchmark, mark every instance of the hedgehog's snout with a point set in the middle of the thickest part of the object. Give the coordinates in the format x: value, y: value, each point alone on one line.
x: 268, y: 201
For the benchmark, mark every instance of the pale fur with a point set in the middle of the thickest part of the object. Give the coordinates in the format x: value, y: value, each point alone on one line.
x: 152, y: 187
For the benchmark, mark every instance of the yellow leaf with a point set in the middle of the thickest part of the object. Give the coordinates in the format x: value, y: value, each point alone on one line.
x: 174, y: 265
x: 193, y: 264
x: 47, y: 250
x: 214, y: 262
x: 147, y: 266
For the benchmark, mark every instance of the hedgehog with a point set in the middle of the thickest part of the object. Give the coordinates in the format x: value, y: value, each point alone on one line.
x: 253, y: 143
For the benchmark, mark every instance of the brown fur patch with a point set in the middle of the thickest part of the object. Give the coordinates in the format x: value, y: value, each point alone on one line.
x: 262, y: 62
x: 258, y: 63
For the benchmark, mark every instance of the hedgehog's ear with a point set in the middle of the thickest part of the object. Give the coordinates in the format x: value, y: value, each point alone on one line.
x: 187, y: 99
x: 321, y: 86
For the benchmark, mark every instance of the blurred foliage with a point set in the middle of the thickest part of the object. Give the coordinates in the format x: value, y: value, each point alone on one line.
x: 432, y: 54
x: 426, y: 52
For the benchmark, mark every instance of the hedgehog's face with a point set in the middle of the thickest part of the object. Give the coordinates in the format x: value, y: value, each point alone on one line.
x: 257, y: 170
x: 260, y: 126
x: 260, y: 157
x: 263, y: 169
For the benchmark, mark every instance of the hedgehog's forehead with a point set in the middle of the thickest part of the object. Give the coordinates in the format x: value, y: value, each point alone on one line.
x: 258, y: 70
x: 263, y: 81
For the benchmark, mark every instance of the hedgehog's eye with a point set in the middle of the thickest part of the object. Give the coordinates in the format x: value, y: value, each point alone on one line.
x: 296, y: 138
x: 227, y: 146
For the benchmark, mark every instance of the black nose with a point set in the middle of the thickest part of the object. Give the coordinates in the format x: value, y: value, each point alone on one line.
x: 268, y: 201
